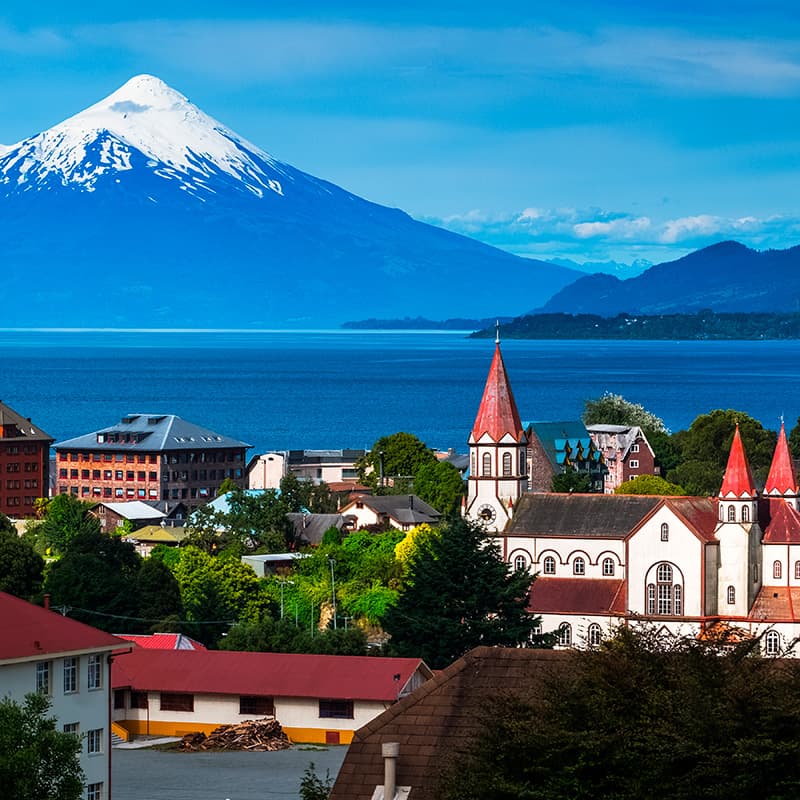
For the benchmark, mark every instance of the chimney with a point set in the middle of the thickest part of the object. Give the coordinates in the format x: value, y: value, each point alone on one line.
x: 47, y: 601
x: 389, y: 751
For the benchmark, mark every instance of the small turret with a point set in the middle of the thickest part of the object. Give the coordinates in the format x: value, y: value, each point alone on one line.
x: 782, y: 478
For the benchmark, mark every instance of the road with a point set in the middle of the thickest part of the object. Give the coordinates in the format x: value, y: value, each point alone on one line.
x: 155, y: 775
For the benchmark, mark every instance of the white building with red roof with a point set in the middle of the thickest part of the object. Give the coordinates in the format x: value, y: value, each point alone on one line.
x: 42, y: 651
x: 315, y: 698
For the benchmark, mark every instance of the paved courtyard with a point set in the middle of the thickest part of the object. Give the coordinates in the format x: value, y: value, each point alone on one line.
x: 155, y: 775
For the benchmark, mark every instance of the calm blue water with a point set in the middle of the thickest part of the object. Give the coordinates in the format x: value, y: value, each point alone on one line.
x: 345, y: 389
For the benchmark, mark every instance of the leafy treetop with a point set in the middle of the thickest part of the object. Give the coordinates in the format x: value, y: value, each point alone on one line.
x: 649, y: 484
x: 614, y: 409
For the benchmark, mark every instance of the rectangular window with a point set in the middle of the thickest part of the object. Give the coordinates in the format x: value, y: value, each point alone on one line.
x: 94, y: 791
x: 95, y: 474
x: 72, y: 727
x: 634, y: 448
x: 70, y: 675
x: 633, y: 464
x: 138, y: 699
x: 256, y: 706
x: 94, y: 741
x: 43, y: 677
x: 94, y: 673
x: 336, y: 709
x: 173, y: 701
x: 119, y: 698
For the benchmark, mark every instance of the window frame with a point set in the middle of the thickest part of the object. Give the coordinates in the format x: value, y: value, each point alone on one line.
x: 336, y: 708
x: 70, y: 673
x: 730, y: 593
x: 664, y: 532
x: 181, y: 702
x: 594, y: 635
x: 94, y: 672
x: 94, y: 742
x: 257, y: 705
x: 609, y: 567
x: 772, y: 643
x: 43, y: 683
x: 579, y: 565
x: 777, y: 570
x: 564, y: 634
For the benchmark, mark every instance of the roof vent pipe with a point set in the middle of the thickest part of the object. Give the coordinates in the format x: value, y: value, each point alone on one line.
x: 389, y: 751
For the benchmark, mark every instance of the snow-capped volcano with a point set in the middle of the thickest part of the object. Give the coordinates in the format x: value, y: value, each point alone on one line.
x: 144, y: 118
x: 143, y: 211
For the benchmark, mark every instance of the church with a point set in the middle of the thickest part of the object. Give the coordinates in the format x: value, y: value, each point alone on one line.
x: 688, y: 565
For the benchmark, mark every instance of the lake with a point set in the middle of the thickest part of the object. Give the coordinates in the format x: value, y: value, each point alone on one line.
x: 332, y: 389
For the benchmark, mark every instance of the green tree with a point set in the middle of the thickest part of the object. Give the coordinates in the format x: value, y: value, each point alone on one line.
x: 65, y: 518
x: 20, y: 566
x: 643, y: 716
x: 459, y: 594
x: 283, y: 636
x: 159, y: 596
x: 614, y: 409
x: 571, y: 481
x: 37, y: 761
x: 649, y: 484
x: 400, y: 455
x: 440, y: 484
x: 312, y: 787
x: 305, y: 495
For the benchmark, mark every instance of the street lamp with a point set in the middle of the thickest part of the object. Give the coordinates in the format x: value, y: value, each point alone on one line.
x: 283, y: 582
x: 332, y: 562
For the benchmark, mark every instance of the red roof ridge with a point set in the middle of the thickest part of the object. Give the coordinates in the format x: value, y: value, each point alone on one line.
x: 738, y: 479
x: 782, y: 478
x: 497, y: 414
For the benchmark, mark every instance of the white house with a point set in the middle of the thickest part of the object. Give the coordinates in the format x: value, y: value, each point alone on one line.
x: 42, y: 651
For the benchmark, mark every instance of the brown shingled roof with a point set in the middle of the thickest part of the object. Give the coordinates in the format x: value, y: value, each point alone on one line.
x: 577, y: 596
x: 440, y: 718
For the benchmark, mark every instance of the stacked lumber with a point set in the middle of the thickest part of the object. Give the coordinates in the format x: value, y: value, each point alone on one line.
x: 257, y: 735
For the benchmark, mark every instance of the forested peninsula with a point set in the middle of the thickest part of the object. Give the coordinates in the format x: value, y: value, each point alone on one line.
x: 702, y: 325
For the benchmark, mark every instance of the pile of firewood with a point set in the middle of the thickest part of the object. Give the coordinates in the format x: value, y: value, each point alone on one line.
x: 254, y: 734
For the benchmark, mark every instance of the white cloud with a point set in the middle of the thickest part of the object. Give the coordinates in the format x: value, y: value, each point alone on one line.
x: 623, y: 228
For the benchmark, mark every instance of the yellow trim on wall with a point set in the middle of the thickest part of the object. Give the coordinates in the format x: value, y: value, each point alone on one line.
x: 120, y: 731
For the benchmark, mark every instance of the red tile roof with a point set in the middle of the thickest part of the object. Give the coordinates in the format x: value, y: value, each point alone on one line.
x: 784, y: 524
x: 577, y: 596
x: 497, y: 414
x: 29, y: 631
x: 699, y: 513
x: 276, y: 674
x: 776, y: 604
x: 782, y: 478
x: 163, y: 641
x: 738, y: 479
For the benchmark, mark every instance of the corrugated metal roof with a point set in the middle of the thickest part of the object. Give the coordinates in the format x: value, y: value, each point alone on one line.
x: 577, y: 596
x: 497, y: 414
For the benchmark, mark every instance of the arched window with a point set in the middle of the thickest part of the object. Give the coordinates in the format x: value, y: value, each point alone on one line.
x: 745, y: 514
x: 731, y: 595
x: 578, y: 566
x: 776, y: 569
x: 487, y: 464
x: 594, y: 635
x: 665, y: 596
x: 772, y: 643
x: 565, y: 634
x: 520, y: 562
x: 651, y: 598
x: 721, y: 513
x: 506, y: 465
x: 664, y: 532
x: 608, y: 567
x: 549, y: 565
x: 731, y: 514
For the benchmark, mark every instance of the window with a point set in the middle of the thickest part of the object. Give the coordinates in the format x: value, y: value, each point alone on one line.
x: 731, y: 514
x: 776, y: 569
x: 594, y: 635
x: 520, y: 562
x: 94, y: 791
x: 772, y: 643
x: 797, y: 570
x: 664, y: 532
x: 138, y: 699
x: 256, y: 706
x: 506, y: 465
x: 633, y: 464
x: 70, y: 675
x: 94, y: 741
x: 745, y: 514
x: 731, y: 595
x: 578, y: 566
x: 94, y: 673
x: 119, y: 698
x: 565, y: 634
x: 43, y: 677
x: 173, y: 701
x: 72, y: 727
x: 608, y: 567
x: 487, y: 464
x: 549, y: 565
x: 336, y: 709
x: 665, y: 596
x: 634, y: 448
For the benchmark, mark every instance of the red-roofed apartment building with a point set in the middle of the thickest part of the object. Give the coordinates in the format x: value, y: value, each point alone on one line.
x: 685, y: 564
x: 318, y: 699
x: 42, y: 651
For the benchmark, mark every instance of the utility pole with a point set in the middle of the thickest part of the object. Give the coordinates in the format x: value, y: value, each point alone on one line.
x: 283, y: 582
x: 332, y: 562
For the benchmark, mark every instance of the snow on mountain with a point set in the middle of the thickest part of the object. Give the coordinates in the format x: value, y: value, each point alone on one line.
x: 177, y: 140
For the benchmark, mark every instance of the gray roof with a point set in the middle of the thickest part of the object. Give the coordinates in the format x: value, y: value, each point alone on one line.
x: 18, y: 427
x: 604, y: 516
x: 310, y: 528
x: 324, y: 456
x: 134, y: 509
x: 149, y: 433
x: 407, y: 509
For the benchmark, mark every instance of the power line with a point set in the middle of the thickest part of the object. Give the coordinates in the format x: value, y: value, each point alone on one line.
x: 64, y: 610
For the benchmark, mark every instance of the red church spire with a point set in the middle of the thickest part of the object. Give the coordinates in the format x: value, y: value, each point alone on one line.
x: 782, y: 477
x: 738, y: 478
x: 498, y: 413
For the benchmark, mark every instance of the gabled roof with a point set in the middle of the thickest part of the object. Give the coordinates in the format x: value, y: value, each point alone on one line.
x: 497, y: 414
x: 407, y: 509
x: 618, y: 437
x: 598, y: 596
x: 163, y: 641
x: 310, y: 528
x: 564, y: 443
x: 593, y: 516
x: 134, y: 509
x: 699, y: 513
x: 784, y: 524
x: 14, y: 426
x: 782, y: 478
x: 32, y: 632
x: 738, y: 479
x: 442, y: 717
x: 149, y: 433
x: 163, y: 534
x: 276, y: 674
x: 776, y: 604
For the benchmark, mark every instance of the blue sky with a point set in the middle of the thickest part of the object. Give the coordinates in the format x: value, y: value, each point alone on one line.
x: 589, y: 131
